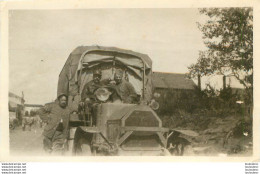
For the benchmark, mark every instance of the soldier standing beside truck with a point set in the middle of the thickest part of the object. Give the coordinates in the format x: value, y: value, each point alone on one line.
x: 56, y: 115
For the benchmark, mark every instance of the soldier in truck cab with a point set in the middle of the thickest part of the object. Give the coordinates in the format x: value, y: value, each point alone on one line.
x: 90, y: 87
x: 124, y: 89
x: 88, y: 99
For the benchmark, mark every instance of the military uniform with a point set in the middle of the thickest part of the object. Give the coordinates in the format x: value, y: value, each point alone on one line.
x: 56, y: 131
x: 27, y: 122
x: 126, y: 92
x: 89, y: 89
x: 88, y: 92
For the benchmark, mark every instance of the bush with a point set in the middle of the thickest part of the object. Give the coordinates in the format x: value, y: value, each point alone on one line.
x: 208, y: 102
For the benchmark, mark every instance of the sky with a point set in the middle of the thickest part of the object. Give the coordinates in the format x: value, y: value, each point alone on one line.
x: 40, y: 42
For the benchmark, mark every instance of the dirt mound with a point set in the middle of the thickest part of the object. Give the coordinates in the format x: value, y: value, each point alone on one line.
x: 217, y: 136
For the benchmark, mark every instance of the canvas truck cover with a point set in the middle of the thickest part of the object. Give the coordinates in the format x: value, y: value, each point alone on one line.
x: 76, y: 70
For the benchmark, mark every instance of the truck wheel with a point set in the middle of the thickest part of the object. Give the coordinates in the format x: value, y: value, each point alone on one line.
x: 179, y: 146
x: 82, y: 143
x: 83, y: 148
x: 86, y: 150
x: 179, y: 149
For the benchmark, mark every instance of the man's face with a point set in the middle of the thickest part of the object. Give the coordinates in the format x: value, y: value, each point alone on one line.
x: 96, y: 78
x: 63, y: 101
x: 118, y: 78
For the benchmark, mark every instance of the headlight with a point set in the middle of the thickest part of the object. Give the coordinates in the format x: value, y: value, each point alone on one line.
x: 154, y: 105
x: 102, y: 94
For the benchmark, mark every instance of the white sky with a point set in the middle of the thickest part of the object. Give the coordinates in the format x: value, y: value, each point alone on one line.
x: 40, y: 41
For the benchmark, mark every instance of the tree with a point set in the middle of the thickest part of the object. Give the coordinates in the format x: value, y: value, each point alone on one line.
x: 228, y: 35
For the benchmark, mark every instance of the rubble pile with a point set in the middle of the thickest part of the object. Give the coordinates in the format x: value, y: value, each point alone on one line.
x: 230, y: 135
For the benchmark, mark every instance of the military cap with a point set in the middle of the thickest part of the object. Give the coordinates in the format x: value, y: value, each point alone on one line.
x: 61, y: 95
x: 97, y: 72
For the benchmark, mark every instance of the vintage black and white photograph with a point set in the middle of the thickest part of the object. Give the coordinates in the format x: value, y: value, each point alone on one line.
x: 131, y: 82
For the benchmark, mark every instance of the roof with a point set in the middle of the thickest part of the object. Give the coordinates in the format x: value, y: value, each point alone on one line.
x: 13, y: 104
x: 172, y: 81
x: 32, y: 105
x: 14, y: 95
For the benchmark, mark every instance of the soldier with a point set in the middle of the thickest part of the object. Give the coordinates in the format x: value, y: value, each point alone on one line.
x: 27, y: 122
x: 56, y: 131
x: 88, y: 99
x: 90, y: 87
x: 124, y: 89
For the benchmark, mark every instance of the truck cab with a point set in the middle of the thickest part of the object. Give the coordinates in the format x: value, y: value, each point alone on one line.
x: 119, y: 128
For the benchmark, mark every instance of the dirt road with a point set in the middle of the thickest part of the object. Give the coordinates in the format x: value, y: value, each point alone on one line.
x: 27, y: 143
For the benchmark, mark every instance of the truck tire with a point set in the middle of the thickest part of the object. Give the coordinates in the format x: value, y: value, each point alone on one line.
x: 178, y: 146
x: 83, y: 148
x: 82, y: 143
x: 86, y: 150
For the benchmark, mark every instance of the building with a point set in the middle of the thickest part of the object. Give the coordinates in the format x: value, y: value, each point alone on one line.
x: 32, y: 107
x: 15, y: 101
x: 174, y: 81
x: 172, y: 91
x: 218, y: 82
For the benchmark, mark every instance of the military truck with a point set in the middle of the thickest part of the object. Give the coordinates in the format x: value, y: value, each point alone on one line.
x: 119, y: 128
